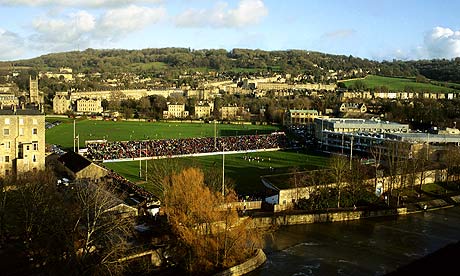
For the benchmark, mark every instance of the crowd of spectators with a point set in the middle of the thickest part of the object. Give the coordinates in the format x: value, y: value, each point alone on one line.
x: 172, y: 147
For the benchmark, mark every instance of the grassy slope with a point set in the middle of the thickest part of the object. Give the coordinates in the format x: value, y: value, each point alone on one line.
x: 123, y: 131
x: 245, y: 174
x: 398, y: 84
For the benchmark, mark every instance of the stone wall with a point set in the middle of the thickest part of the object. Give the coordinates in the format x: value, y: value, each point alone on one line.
x: 250, y: 205
x: 247, y: 266
x: 293, y: 219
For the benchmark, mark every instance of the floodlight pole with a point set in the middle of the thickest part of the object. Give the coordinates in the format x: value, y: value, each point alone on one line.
x: 140, y: 160
x: 351, y: 150
x: 146, y: 168
x: 223, y: 171
x: 215, y: 134
x: 74, y: 135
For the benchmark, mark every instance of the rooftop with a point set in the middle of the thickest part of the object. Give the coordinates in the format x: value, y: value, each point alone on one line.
x: 29, y: 110
x: 423, y: 137
x: 359, y: 121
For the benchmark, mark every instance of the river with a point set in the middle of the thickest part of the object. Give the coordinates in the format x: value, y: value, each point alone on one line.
x: 366, y: 247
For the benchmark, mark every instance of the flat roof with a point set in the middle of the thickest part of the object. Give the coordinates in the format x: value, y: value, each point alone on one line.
x: 428, y: 137
x: 355, y: 121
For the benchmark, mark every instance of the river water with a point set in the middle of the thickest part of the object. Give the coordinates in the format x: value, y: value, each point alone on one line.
x: 366, y: 247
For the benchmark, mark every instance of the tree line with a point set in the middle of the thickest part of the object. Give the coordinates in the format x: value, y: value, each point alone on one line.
x: 161, y: 62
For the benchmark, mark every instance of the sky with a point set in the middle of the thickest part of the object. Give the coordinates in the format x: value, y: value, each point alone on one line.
x: 377, y: 30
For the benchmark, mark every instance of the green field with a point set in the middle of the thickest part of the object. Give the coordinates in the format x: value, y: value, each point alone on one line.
x: 124, y: 131
x: 152, y: 66
x: 398, y: 84
x: 245, y: 174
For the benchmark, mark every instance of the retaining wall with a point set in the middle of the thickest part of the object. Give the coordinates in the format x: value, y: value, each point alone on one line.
x: 293, y: 219
x: 245, y: 267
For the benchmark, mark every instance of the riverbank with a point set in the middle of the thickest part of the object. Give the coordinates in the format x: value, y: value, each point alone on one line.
x: 295, y: 217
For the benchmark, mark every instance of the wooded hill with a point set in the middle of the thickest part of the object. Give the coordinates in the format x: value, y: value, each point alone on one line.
x: 245, y: 61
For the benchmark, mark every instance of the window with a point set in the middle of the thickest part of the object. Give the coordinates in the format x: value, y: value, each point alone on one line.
x: 7, y: 145
x: 6, y: 131
x: 34, y: 121
x: 35, y: 146
x: 34, y: 159
x: 21, y: 121
x: 34, y: 131
x: 27, y: 147
x: 7, y: 159
x: 21, y: 132
x: 7, y: 121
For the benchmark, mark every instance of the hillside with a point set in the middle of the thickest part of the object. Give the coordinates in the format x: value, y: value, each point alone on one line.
x: 158, y: 61
x: 400, y: 84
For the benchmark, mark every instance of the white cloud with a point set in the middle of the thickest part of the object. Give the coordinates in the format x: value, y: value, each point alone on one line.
x: 438, y: 43
x: 76, y: 3
x: 247, y: 12
x: 63, y: 33
x: 123, y: 20
x: 82, y: 29
x: 442, y: 43
x: 11, y: 45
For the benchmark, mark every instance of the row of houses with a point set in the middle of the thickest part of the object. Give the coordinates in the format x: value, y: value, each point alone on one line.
x: 398, y: 95
x: 202, y: 111
x: 62, y: 105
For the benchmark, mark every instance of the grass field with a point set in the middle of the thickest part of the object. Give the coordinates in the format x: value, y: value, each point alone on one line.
x: 245, y: 174
x: 124, y: 131
x: 398, y: 84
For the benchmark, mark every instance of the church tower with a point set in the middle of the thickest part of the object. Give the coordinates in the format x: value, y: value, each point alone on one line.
x: 34, y: 94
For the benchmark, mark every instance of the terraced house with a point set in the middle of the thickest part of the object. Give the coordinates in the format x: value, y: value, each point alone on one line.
x: 22, y: 143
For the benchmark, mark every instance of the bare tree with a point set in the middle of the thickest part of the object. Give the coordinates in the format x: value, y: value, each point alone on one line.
x: 377, y: 154
x: 451, y: 159
x: 33, y: 210
x: 356, y: 179
x: 339, y: 167
x: 101, y: 234
x: 159, y: 171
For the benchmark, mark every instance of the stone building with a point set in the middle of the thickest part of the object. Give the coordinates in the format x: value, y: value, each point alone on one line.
x: 8, y: 100
x: 202, y: 111
x: 353, y: 108
x: 82, y: 168
x: 300, y: 117
x: 89, y: 106
x: 22, y: 147
x: 35, y: 96
x: 175, y: 111
x: 61, y: 103
x: 230, y: 112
